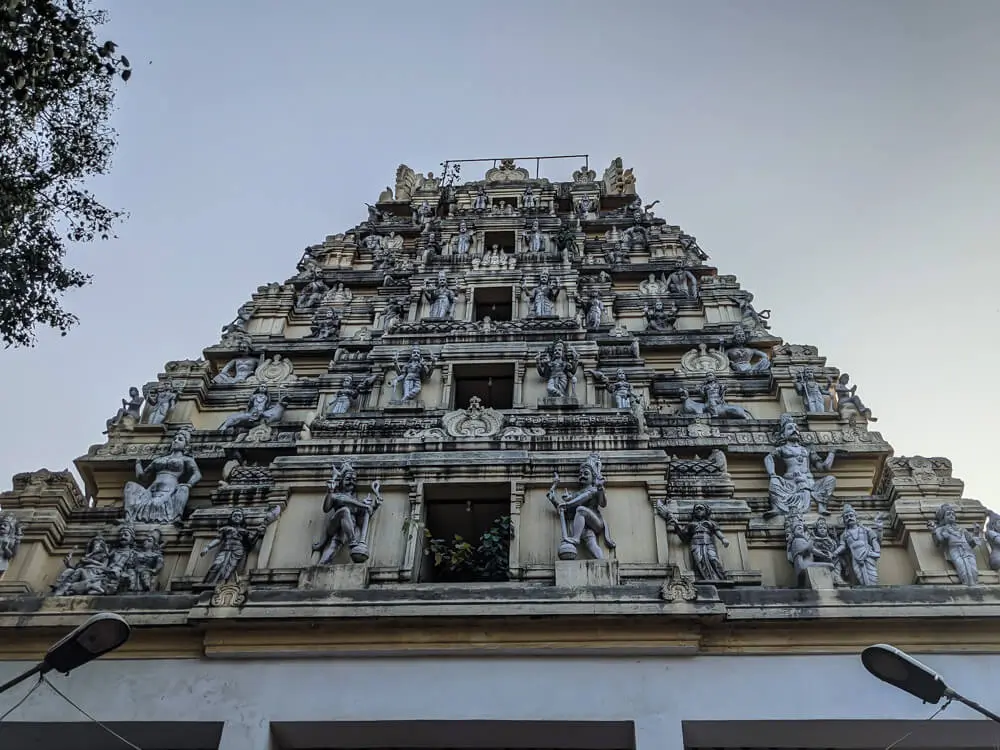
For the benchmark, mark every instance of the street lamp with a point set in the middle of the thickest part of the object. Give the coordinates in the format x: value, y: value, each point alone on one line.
x: 902, y: 671
x: 100, y: 634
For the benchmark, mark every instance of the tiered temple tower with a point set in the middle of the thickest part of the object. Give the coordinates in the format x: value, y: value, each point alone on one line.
x: 528, y: 398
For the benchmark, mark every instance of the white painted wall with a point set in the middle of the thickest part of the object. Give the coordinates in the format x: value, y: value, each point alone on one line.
x: 656, y: 693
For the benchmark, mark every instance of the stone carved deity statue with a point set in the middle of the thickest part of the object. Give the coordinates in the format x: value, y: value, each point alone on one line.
x: 340, y: 295
x: 683, y: 283
x: 651, y: 287
x: 238, y: 369
x: 992, y: 534
x: 347, y: 394
x: 312, y: 293
x: 463, y: 240
x: 745, y: 360
x: 160, y: 399
x: 812, y: 394
x: 423, y: 216
x: 794, y: 491
x: 715, y: 404
x: 580, y: 517
x: 847, y: 396
x: 800, y: 547
x: 558, y: 364
x: 86, y: 576
x: 104, y: 570
x: 535, y: 240
x: 660, y: 318
x: 635, y: 238
x: 261, y: 409
x: 167, y: 496
x: 700, y: 533
x: 346, y: 520
x: 566, y: 241
x: 325, y: 324
x: 592, y: 309
x: 396, y: 310
x: 959, y: 544
x: 10, y: 540
x: 543, y: 297
x: 529, y: 202
x: 825, y: 544
x: 410, y: 375
x: 441, y: 297
x: 480, y: 202
x: 236, y: 331
x: 129, y: 411
x: 860, y: 547
x: 235, y: 540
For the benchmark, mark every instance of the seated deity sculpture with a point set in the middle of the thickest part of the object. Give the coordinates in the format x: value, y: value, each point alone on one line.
x: 660, y: 318
x: 131, y: 410
x: 794, y: 492
x: 745, y: 360
x: 260, y: 410
x: 312, y: 293
x: 167, y: 496
x: 240, y: 368
x: 683, y: 283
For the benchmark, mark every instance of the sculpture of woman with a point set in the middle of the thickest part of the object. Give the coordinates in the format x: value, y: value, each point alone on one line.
x: 621, y: 390
x: 259, y: 409
x: 240, y: 368
x: 848, y: 396
x: 543, y: 297
x: 558, y: 365
x: 809, y: 389
x: 165, y: 499
x: 992, y: 535
x: 410, y: 376
x: 349, y: 391
x: 745, y: 360
x: 480, y: 202
x: 660, y: 319
x: 235, y: 541
x: 441, y: 297
x: 580, y: 512
x: 535, y: 239
x: 700, y: 532
x: 593, y: 310
x: 346, y: 517
x: 959, y: 544
x: 160, y: 400
x: 131, y: 407
x: 463, y: 240
x: 861, y: 547
x: 528, y: 200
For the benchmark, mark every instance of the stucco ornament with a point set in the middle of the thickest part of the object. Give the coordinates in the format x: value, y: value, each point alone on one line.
x: 659, y: 317
x: 715, y: 404
x: 992, y: 534
x: 167, y: 496
x: 240, y: 368
x: 160, y: 399
x: 579, y: 511
x: 122, y: 568
x: 507, y: 172
x: 860, y: 547
x: 813, y: 395
x: 558, y: 364
x: 473, y: 422
x: 347, y: 519
x: 744, y: 359
x: 410, y: 375
x: 234, y: 541
x: 10, y: 540
x: 703, y: 359
x: 959, y: 544
x: 127, y: 416
x: 261, y: 409
x: 542, y: 297
x: 274, y: 371
x: 795, y: 490
x: 350, y: 390
x: 700, y: 533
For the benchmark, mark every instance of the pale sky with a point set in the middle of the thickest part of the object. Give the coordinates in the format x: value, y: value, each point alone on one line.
x: 840, y: 158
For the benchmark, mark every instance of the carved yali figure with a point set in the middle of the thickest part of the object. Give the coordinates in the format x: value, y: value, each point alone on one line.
x: 959, y: 544
x: 10, y: 540
x: 794, y: 492
x: 861, y: 547
x: 130, y: 409
x: 580, y: 512
x: 700, y: 532
x: 558, y: 364
x: 235, y: 540
x: 347, y: 518
x: 165, y: 499
x: 347, y: 393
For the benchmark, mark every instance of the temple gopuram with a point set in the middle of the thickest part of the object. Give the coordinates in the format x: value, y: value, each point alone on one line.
x: 509, y: 464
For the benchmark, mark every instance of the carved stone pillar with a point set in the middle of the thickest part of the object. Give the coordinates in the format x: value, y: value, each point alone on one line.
x: 657, y: 490
x: 447, y: 378
x: 414, y: 536
x: 519, y: 370
x: 375, y: 396
x: 516, y: 501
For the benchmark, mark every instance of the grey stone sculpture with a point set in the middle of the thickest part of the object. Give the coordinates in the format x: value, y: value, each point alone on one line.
x: 160, y: 400
x: 566, y: 240
x: 325, y: 324
x: 167, y: 495
x: 396, y: 310
x: 660, y: 318
x: 535, y: 240
x: 623, y: 392
x: 635, y: 238
x: 592, y: 308
x: 825, y: 544
x: 755, y: 322
x: 701, y: 533
x: 410, y: 375
x: 10, y: 540
x: 261, y: 409
x: 812, y: 395
x: 542, y: 298
x: 558, y: 364
x: 801, y: 548
x: 959, y: 544
x: 683, y: 283
x: 120, y: 569
x: 424, y: 216
x: 340, y: 295
x: 528, y: 200
x: 312, y: 293
x: 992, y: 534
x: 745, y: 360
x: 715, y: 405
x: 235, y: 540
x: 580, y: 517
x: 651, y: 287
x: 586, y: 207
x: 463, y: 240
x: 238, y: 369
x: 860, y: 547
x: 480, y: 202
x: 441, y: 297
x: 236, y: 331
x: 794, y: 492
x: 847, y: 397
x: 347, y: 519
x: 129, y: 411
x: 349, y: 391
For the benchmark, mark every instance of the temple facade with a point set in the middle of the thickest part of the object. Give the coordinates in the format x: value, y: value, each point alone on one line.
x: 509, y: 464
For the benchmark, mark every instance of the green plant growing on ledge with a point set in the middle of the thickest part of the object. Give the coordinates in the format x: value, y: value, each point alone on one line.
x: 458, y: 561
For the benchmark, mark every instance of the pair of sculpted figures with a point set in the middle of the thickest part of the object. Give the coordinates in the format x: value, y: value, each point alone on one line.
x: 852, y: 558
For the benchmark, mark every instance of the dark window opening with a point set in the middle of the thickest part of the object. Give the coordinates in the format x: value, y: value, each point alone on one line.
x: 493, y: 302
x: 503, y: 240
x: 467, y: 534
x: 492, y: 384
